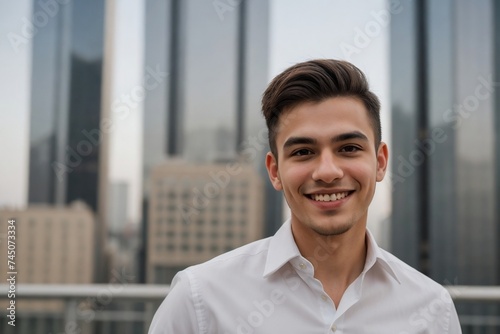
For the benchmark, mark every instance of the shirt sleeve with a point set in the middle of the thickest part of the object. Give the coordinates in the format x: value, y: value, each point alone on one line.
x: 177, y: 313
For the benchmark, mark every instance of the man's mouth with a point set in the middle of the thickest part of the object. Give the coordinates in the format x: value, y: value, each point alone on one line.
x: 329, y: 197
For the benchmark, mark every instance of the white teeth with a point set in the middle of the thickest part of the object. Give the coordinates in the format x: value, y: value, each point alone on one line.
x: 329, y: 198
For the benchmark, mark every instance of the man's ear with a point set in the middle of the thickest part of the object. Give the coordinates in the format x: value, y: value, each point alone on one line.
x: 382, y: 160
x: 272, y: 170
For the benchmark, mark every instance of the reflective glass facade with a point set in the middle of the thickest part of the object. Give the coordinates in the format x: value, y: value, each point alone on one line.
x: 404, y: 95
x: 496, y: 54
x: 446, y: 144
x: 66, y: 102
x: 208, y: 109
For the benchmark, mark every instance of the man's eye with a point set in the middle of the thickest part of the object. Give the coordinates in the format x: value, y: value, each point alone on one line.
x: 350, y: 149
x: 302, y: 152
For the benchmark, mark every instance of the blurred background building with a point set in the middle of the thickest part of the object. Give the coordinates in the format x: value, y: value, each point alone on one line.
x: 216, y: 58
x: 197, y: 212
x: 118, y: 200
x: 445, y: 59
x: 66, y: 161
x: 66, y: 104
x: 53, y: 245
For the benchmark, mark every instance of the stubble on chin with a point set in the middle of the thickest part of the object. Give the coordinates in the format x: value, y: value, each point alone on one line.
x: 331, y: 231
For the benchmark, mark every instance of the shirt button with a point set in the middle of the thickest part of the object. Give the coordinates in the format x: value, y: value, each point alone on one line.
x: 302, y: 265
x: 324, y: 297
x: 334, y: 328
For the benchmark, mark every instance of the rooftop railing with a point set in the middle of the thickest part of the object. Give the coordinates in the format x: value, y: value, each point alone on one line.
x: 109, y: 307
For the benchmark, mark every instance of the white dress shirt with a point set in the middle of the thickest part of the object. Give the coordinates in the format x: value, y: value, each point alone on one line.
x: 268, y: 287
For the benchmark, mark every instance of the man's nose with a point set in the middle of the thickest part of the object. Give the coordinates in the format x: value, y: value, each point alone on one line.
x: 328, y: 168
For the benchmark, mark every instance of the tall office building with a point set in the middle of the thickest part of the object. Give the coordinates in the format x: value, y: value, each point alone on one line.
x: 445, y: 58
x: 66, y: 103
x: 68, y: 158
x: 199, y: 211
x: 208, y: 108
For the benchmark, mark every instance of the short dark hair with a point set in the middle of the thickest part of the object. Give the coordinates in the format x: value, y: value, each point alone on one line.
x: 315, y: 81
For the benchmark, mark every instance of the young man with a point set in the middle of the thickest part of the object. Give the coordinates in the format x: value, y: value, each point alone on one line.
x: 322, y: 272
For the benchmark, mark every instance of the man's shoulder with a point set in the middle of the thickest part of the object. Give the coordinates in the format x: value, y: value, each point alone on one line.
x: 251, y: 256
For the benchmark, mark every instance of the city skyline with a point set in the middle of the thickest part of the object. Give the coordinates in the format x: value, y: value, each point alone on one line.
x: 348, y: 21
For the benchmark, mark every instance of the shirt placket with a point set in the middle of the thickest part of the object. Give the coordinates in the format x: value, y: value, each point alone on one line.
x: 327, y: 308
x: 332, y: 317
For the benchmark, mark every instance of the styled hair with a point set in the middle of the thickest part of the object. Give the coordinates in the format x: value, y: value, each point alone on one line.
x: 315, y: 81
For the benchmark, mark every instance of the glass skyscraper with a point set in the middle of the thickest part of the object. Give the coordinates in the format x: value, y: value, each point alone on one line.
x: 208, y: 108
x: 66, y: 160
x: 66, y: 102
x: 446, y: 143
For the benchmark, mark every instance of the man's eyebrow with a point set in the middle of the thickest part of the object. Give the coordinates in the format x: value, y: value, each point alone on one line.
x: 292, y: 141
x: 349, y: 136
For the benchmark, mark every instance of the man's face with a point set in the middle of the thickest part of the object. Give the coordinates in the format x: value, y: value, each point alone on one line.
x: 327, y: 165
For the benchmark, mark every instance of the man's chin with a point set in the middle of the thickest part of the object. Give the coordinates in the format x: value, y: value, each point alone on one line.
x: 331, y: 230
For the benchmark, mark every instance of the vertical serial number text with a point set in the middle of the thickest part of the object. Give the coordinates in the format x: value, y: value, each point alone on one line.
x: 11, y: 271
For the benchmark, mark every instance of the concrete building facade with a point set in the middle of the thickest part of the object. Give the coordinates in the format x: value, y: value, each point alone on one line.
x: 197, y: 212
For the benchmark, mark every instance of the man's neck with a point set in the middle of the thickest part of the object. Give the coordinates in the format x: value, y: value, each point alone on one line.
x: 337, y: 259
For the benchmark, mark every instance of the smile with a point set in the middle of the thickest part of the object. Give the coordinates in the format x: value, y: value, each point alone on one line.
x: 328, y: 197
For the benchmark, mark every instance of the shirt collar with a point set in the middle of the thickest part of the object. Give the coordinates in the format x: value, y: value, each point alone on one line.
x: 374, y: 254
x: 282, y: 249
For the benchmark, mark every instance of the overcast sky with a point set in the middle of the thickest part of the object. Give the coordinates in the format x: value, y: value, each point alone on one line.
x: 299, y: 30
